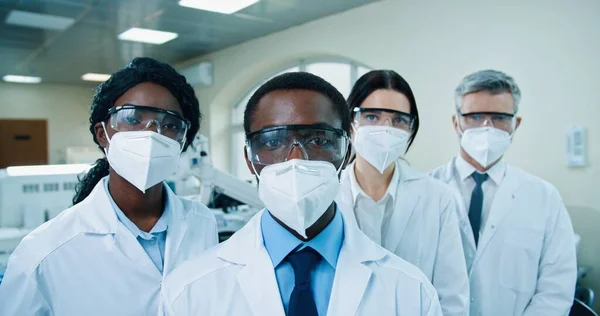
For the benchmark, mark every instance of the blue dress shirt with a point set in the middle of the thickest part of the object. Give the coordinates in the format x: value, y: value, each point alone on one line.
x: 280, y: 242
x: 153, y: 242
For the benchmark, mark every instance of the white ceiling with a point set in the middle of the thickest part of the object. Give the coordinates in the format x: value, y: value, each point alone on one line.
x: 91, y: 44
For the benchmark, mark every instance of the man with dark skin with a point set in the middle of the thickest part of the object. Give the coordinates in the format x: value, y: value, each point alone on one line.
x: 297, y: 107
x: 298, y: 256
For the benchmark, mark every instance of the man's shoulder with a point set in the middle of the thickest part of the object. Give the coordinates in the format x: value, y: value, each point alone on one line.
x: 195, y: 209
x: 532, y: 182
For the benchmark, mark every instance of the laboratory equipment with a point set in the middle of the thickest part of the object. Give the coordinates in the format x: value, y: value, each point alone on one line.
x: 31, y: 195
x: 232, y: 200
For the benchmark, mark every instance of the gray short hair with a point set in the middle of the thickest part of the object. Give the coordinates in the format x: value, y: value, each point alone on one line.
x: 491, y: 81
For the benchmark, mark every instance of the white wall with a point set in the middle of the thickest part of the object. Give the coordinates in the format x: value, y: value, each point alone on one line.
x: 66, y: 108
x: 550, y: 47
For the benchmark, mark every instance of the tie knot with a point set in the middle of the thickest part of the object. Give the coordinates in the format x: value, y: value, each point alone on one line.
x: 480, y: 177
x: 303, y: 262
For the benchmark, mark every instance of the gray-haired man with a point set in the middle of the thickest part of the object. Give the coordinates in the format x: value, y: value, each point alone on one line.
x: 517, y: 235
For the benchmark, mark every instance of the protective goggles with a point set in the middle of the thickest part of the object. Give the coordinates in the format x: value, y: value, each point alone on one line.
x: 374, y: 116
x: 142, y: 118
x: 503, y: 121
x: 273, y: 145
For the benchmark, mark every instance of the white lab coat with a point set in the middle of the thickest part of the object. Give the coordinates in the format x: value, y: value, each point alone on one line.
x: 424, y: 231
x: 238, y: 278
x: 525, y: 263
x: 86, y: 262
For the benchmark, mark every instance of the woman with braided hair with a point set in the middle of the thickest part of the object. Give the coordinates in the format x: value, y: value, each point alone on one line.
x: 109, y: 252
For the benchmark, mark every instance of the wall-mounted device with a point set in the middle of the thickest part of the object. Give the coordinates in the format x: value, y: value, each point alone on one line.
x: 576, y: 146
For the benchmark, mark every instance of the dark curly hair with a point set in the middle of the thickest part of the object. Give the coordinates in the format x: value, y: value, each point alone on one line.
x: 138, y: 71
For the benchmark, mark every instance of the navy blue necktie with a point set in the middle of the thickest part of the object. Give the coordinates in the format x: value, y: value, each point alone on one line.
x: 477, y: 204
x: 302, y: 302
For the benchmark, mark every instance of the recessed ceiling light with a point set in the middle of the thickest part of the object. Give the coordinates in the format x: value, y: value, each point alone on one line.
x: 220, y: 6
x: 40, y: 21
x: 21, y: 79
x: 95, y: 77
x: 135, y: 34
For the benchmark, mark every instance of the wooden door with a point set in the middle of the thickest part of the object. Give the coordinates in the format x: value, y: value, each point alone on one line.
x: 23, y: 142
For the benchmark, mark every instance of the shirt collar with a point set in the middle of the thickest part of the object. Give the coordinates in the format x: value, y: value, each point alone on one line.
x: 465, y: 170
x: 280, y: 242
x: 160, y: 226
x: 357, y: 190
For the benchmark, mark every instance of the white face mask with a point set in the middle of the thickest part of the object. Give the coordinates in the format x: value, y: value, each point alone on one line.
x: 380, y: 145
x: 298, y: 192
x: 485, y: 144
x: 144, y: 158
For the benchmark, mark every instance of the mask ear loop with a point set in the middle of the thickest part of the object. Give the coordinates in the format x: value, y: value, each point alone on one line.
x: 249, y: 153
x: 339, y: 169
x: 107, y: 138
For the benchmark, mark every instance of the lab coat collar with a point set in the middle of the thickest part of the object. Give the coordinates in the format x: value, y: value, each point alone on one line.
x: 280, y: 242
x: 405, y: 204
x: 402, y: 173
x: 102, y: 219
x: 465, y: 170
x: 243, y: 245
x: 358, y: 191
x: 257, y: 277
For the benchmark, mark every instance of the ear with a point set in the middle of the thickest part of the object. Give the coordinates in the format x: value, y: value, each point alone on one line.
x: 455, y: 123
x: 101, y: 135
x: 248, y: 163
x: 518, y: 122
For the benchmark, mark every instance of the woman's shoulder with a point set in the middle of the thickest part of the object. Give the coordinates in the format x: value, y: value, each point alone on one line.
x: 46, y: 238
x: 195, y: 209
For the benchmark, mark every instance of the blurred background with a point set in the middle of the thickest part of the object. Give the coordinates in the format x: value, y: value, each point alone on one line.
x: 53, y: 53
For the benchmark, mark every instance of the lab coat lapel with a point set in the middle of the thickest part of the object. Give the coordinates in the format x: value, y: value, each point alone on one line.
x: 345, y: 200
x: 449, y: 176
x: 104, y: 220
x: 131, y: 248
x: 351, y: 274
x: 501, y: 206
x: 175, y: 232
x: 257, y: 278
x: 405, y: 201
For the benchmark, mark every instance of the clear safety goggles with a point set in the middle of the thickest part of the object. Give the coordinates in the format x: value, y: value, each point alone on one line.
x: 502, y: 121
x: 143, y: 118
x: 375, y: 116
x: 321, y: 142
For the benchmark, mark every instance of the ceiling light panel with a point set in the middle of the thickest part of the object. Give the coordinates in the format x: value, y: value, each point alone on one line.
x: 95, y: 77
x: 40, y: 21
x: 220, y: 6
x: 147, y: 36
x: 21, y: 79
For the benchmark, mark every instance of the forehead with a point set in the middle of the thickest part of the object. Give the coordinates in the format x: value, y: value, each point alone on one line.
x: 294, y: 107
x: 485, y: 102
x: 387, y: 99
x: 150, y: 94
